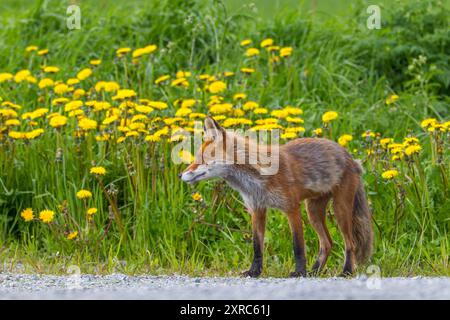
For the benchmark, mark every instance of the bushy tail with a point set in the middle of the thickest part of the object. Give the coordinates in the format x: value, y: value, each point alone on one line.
x: 362, y: 226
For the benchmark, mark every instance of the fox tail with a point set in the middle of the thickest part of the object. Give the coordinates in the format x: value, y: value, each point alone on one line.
x: 362, y: 226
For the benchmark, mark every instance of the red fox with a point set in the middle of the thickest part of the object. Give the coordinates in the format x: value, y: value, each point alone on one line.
x: 311, y: 169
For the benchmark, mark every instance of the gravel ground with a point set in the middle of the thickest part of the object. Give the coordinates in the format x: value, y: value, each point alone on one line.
x: 118, y: 286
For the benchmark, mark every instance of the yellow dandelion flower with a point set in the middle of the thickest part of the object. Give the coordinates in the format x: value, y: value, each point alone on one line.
x: 22, y: 75
x: 217, y: 87
x: 182, y: 112
x: 5, y: 76
x: 87, y: 124
x: 280, y: 114
x: 46, y: 216
x: 197, y: 115
x: 122, y: 51
x: 78, y: 93
x: 183, y: 74
x: 250, y: 105
x: 245, y: 42
x: 428, y: 122
x: 143, y: 109
x: 293, y: 111
x: 228, y: 74
x: 95, y: 62
x: 288, y: 135
x: 413, y: 149
x: 162, y: 79
x: 188, y: 103
x: 295, y: 129
x: 108, y: 86
x: 84, y: 74
x: 58, y: 121
x: 31, y: 48
x: 38, y: 113
x: 103, y: 137
x: 31, y: 79
x: 221, y: 108
x: 42, y: 52
x: 27, y: 214
x: 158, y: 105
x: 329, y: 116
x: 230, y: 122
x: 286, y: 51
x: 251, y: 52
x: 294, y: 120
x: 91, y: 211
x: 16, y: 135
x: 186, y: 156
x: 368, y: 134
x: 72, y: 235
x: 124, y: 94
x: 266, y: 127
x: 51, y: 69
x: 389, y: 174
x: 392, y: 99
x: 318, y: 132
x: 345, y: 139
x: 260, y: 111
x: 73, y: 105
x: 59, y: 101
x: 61, y: 88
x: 8, y: 113
x: 385, y: 142
x: 410, y: 140
x: 132, y: 134
x: 44, y: 83
x: 143, y: 51
x: 266, y: 43
x: 239, y: 96
x: 272, y: 48
x: 34, y: 134
x: 84, y: 194
x: 12, y: 123
x: 98, y: 171
x: 76, y: 113
x: 247, y: 70
x: 152, y: 138
x: 267, y: 121
x: 110, y: 119
x: 196, y: 196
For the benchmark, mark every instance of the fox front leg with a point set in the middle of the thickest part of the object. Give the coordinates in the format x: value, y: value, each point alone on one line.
x: 295, y: 223
x: 258, y: 229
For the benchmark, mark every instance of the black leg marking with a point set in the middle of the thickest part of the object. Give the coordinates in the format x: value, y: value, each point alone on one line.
x: 300, y: 259
x: 348, y: 266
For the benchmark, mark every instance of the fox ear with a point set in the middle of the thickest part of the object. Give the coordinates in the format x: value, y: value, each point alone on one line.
x: 212, y: 128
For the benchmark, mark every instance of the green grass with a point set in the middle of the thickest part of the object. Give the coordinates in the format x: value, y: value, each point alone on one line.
x: 337, y: 64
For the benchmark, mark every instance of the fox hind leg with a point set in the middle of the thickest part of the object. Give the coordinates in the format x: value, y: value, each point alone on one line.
x: 258, y: 230
x: 296, y: 225
x: 316, y: 209
x: 343, y: 200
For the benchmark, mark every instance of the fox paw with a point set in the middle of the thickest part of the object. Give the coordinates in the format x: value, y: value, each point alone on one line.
x: 251, y: 273
x: 314, y: 273
x: 297, y: 274
x: 346, y: 274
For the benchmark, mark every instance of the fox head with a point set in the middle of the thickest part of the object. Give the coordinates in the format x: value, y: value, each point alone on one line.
x: 211, y: 159
x: 225, y: 153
